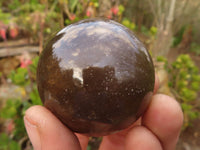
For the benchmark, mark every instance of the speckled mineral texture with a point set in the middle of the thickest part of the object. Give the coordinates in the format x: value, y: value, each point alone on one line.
x: 96, y: 77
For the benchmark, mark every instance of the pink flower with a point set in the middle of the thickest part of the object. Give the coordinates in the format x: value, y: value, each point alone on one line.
x: 25, y: 63
x: 10, y: 126
x: 109, y: 17
x: 115, y: 10
x: 88, y: 13
x: 72, y: 17
x: 13, y: 32
x: 25, y: 60
x: 3, y: 29
x: 3, y: 33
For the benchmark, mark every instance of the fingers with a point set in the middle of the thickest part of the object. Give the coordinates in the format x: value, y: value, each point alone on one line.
x: 164, y: 118
x: 117, y: 141
x: 46, y: 132
x: 161, y: 127
x: 140, y: 138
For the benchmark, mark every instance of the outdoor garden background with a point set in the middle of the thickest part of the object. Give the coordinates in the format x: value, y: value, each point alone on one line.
x: 169, y: 29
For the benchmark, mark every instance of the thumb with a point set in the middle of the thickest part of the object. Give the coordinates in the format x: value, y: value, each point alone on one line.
x: 46, y: 132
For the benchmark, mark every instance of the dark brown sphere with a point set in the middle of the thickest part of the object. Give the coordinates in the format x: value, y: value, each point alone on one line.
x: 96, y: 77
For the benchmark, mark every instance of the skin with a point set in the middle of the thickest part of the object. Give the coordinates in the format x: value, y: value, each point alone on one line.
x: 157, y: 129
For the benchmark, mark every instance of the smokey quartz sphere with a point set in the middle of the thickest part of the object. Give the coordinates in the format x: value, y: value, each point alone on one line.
x: 96, y: 77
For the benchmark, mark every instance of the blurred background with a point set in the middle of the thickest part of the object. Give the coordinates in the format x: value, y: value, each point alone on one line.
x: 169, y: 29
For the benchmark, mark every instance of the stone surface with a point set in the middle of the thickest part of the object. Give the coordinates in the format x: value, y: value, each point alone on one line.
x: 96, y: 77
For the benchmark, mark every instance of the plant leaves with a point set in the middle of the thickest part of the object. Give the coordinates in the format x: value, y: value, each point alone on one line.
x: 72, y: 4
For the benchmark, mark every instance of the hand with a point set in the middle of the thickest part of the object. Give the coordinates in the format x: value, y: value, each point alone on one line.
x: 157, y: 129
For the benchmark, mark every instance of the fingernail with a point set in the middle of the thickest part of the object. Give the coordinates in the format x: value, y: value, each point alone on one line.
x: 33, y: 133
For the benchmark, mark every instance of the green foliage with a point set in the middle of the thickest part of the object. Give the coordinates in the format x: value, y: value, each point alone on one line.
x: 34, y: 96
x: 35, y: 18
x: 68, y: 21
x: 89, y: 147
x: 144, y: 30
x: 73, y: 4
x: 38, y: 18
x: 22, y: 76
x: 164, y: 60
x: 19, y: 76
x: 185, y: 84
x: 121, y: 9
x: 149, y: 32
x: 178, y: 37
x: 6, y: 143
x: 5, y: 17
x: 153, y: 30
x: 14, y: 4
x: 33, y: 68
x: 10, y: 109
x: 129, y: 24
x: 161, y: 59
x: 195, y: 48
x: 14, y: 109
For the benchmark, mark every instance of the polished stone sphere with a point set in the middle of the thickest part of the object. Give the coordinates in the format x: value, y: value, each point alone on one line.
x: 96, y: 77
